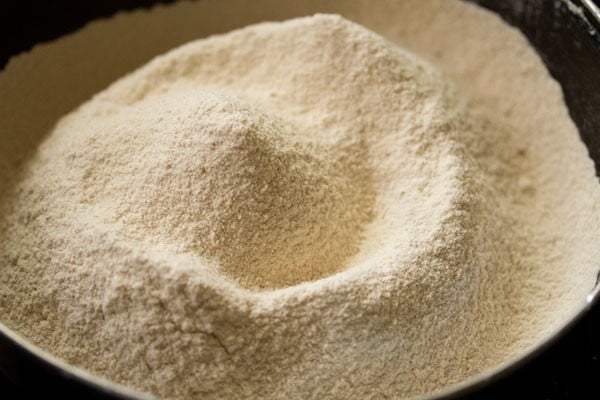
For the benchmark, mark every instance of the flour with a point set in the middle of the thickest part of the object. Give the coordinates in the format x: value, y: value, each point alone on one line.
x: 306, y: 210
x: 214, y: 177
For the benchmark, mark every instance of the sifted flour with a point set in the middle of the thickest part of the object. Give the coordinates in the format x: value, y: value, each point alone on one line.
x: 304, y: 210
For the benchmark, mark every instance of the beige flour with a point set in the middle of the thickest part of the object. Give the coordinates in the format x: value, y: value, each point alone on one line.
x: 305, y: 210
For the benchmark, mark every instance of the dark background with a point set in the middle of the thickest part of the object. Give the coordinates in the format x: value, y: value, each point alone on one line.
x: 569, y: 370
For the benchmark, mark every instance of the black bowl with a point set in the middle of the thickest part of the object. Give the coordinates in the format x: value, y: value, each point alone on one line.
x: 565, y: 33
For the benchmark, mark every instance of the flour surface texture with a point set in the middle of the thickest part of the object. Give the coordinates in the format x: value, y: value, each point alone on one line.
x: 307, y: 209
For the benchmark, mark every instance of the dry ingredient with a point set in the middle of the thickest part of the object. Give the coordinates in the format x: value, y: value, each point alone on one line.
x: 306, y: 210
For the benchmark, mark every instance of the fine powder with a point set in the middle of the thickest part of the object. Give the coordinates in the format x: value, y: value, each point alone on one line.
x: 304, y: 210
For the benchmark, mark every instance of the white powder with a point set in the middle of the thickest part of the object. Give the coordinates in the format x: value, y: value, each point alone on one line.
x: 305, y: 210
x: 211, y: 175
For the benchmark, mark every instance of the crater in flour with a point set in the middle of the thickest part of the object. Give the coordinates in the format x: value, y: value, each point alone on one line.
x: 210, y: 174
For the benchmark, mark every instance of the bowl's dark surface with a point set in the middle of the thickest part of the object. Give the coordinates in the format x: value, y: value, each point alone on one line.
x: 570, y: 47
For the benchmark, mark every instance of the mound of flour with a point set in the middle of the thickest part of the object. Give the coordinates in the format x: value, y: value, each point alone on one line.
x: 292, y: 210
x: 212, y: 175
